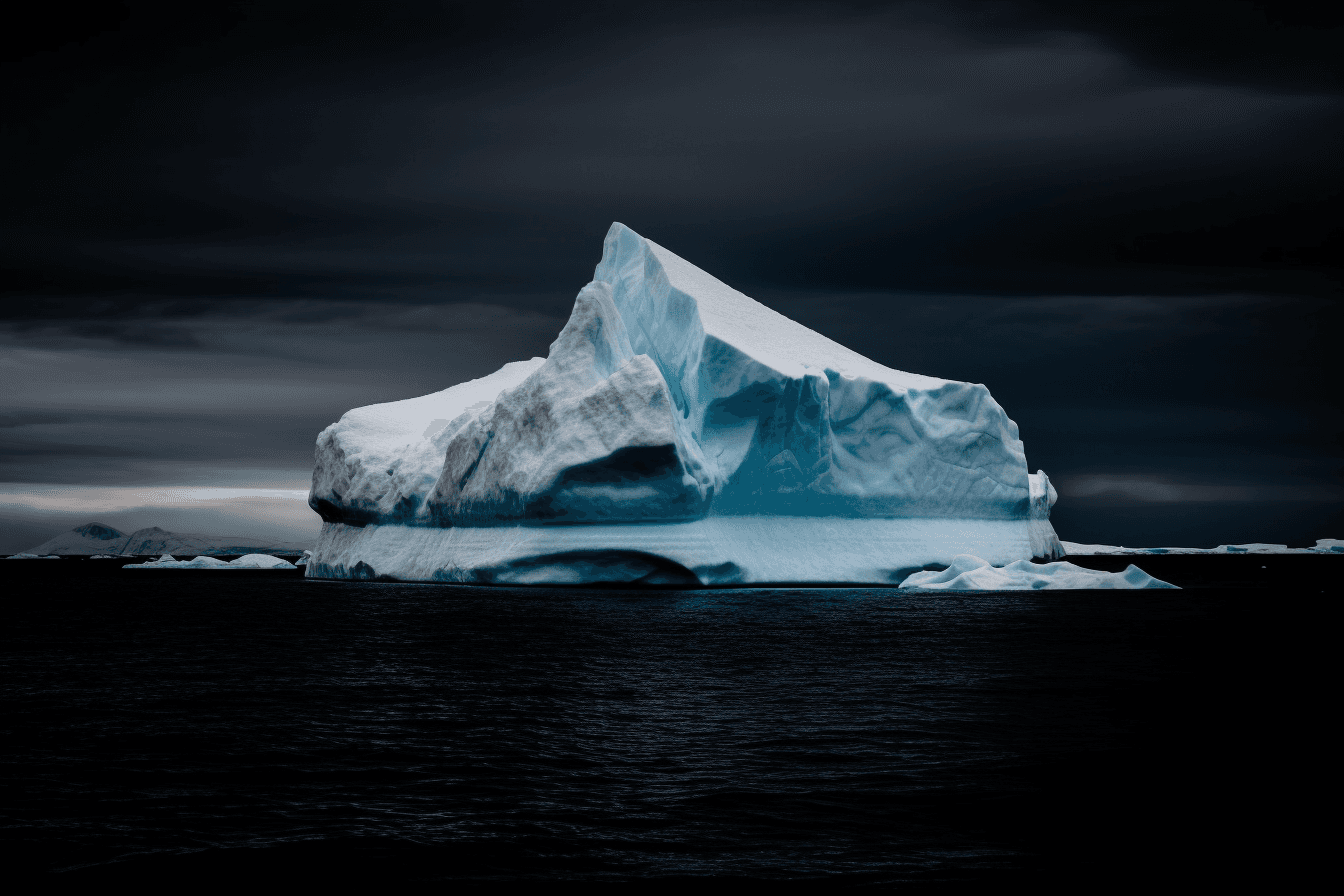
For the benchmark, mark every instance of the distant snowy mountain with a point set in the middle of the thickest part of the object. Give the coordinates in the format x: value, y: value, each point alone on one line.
x: 96, y: 538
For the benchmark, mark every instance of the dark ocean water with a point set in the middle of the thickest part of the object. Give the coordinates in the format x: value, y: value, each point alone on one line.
x: 217, y: 726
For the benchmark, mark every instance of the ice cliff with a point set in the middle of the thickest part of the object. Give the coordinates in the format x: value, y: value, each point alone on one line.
x: 678, y: 432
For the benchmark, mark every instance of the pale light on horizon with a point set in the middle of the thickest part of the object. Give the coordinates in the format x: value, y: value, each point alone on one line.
x: 33, y: 512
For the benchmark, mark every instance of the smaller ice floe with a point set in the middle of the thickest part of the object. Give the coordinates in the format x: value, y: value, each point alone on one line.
x: 247, y: 561
x: 1073, y: 547
x: 167, y: 562
x: 260, y: 561
x: 969, y: 573
x: 1329, y: 546
x: 103, y: 557
x: 32, y: 557
x: 1076, y: 549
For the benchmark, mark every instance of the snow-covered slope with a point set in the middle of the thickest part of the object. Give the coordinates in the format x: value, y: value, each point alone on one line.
x: 96, y: 538
x: 92, y: 538
x: 672, y: 401
x: 379, y: 463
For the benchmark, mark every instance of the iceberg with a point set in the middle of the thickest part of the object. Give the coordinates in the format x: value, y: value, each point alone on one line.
x: 167, y: 562
x: 677, y: 433
x: 248, y: 561
x: 967, y: 573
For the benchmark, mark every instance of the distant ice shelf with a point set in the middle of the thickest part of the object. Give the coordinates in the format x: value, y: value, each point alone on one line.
x: 680, y: 432
x: 1322, y: 546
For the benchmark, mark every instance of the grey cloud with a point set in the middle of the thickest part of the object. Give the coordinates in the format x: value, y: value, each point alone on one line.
x: 54, y: 451
x: 803, y: 135
x: 305, y: 332
x: 14, y: 420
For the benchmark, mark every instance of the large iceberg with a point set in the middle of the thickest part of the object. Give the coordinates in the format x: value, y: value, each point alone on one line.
x: 679, y: 432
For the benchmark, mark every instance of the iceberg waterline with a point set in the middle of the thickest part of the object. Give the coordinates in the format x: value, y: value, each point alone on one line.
x: 678, y: 431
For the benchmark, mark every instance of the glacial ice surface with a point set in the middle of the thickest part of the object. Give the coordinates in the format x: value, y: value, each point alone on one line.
x: 677, y: 430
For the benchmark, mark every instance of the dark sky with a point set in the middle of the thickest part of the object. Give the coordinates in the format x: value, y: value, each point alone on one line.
x: 224, y: 228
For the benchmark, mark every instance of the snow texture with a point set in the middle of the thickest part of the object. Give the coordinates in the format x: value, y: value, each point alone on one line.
x: 677, y: 428
x: 968, y: 573
x: 248, y: 561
